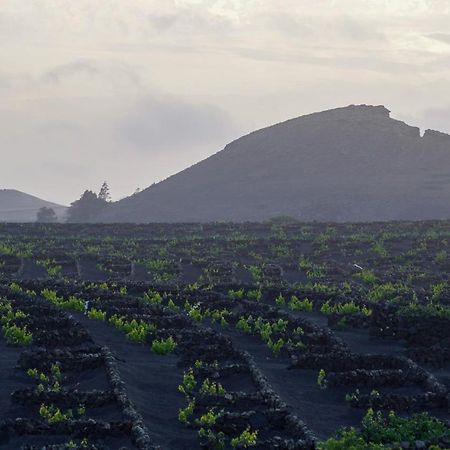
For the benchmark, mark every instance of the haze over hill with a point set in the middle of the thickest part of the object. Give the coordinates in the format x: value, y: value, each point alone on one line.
x: 348, y: 164
x: 16, y: 206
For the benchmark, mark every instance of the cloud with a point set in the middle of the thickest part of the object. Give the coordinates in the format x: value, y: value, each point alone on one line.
x: 163, y: 22
x: 310, y: 28
x: 135, y: 90
x: 190, y: 22
x: 358, y: 29
x: 131, y: 141
x: 441, y: 37
x: 291, y: 25
x: 332, y: 59
x: 62, y: 72
x: 168, y: 123
x: 106, y: 72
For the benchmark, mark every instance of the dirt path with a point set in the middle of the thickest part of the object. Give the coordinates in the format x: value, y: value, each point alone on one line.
x: 152, y: 385
x: 11, y: 378
x: 359, y: 341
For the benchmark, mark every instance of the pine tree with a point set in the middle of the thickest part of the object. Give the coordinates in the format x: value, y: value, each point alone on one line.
x: 104, y: 192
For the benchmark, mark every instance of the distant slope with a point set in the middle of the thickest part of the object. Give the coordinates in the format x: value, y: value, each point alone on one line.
x: 347, y: 164
x: 16, y: 206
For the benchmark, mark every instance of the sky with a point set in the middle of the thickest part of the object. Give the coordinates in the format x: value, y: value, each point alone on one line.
x: 132, y: 91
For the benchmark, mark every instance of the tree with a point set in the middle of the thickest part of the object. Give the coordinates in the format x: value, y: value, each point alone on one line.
x: 104, y: 192
x: 46, y: 215
x: 86, y: 208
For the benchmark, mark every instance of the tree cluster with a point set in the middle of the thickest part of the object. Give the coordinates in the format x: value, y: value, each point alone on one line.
x: 46, y: 215
x: 89, y: 205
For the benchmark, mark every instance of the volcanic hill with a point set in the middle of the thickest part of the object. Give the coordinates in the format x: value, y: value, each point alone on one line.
x: 348, y: 164
x: 16, y: 206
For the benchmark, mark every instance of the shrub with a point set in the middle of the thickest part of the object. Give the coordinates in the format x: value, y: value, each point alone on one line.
x: 438, y: 290
x: 264, y: 328
x: 367, y: 276
x: 243, y: 324
x: 349, y: 440
x: 52, y: 268
x: 97, y: 314
x: 352, y: 396
x: 164, y: 346
x: 17, y: 335
x: 189, y: 382
x: 50, y: 382
x: 135, y: 331
x: 280, y: 301
x: 304, y: 263
x: 246, y: 439
x: 256, y: 273
x: 440, y: 257
x: 379, y: 432
x: 172, y: 306
x: 379, y: 249
x: 322, y: 379
x: 220, y: 316
x: 195, y: 313
x: 184, y: 414
x: 378, y: 428
x: 209, y: 418
x: 212, y: 388
x: 153, y: 297
x: 192, y: 287
x: 295, y: 304
x: 72, y: 303
x: 254, y: 294
x: 137, y: 334
x: 15, y: 287
x: 275, y: 346
x: 279, y: 326
x: 348, y: 308
x: 214, y: 440
x: 11, y: 315
x: 238, y: 294
x: 384, y: 291
x: 123, y: 290
x: 53, y: 414
x: 426, y: 310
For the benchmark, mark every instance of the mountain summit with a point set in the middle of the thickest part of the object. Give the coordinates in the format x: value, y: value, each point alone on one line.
x: 348, y: 164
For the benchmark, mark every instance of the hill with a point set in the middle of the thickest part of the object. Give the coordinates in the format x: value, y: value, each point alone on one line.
x: 16, y: 206
x: 348, y: 164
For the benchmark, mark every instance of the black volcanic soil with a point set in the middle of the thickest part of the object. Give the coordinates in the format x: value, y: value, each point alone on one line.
x: 11, y: 378
x: 152, y: 385
x: 323, y: 411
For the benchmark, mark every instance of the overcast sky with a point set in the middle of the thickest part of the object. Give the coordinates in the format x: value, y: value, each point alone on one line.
x: 131, y: 91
